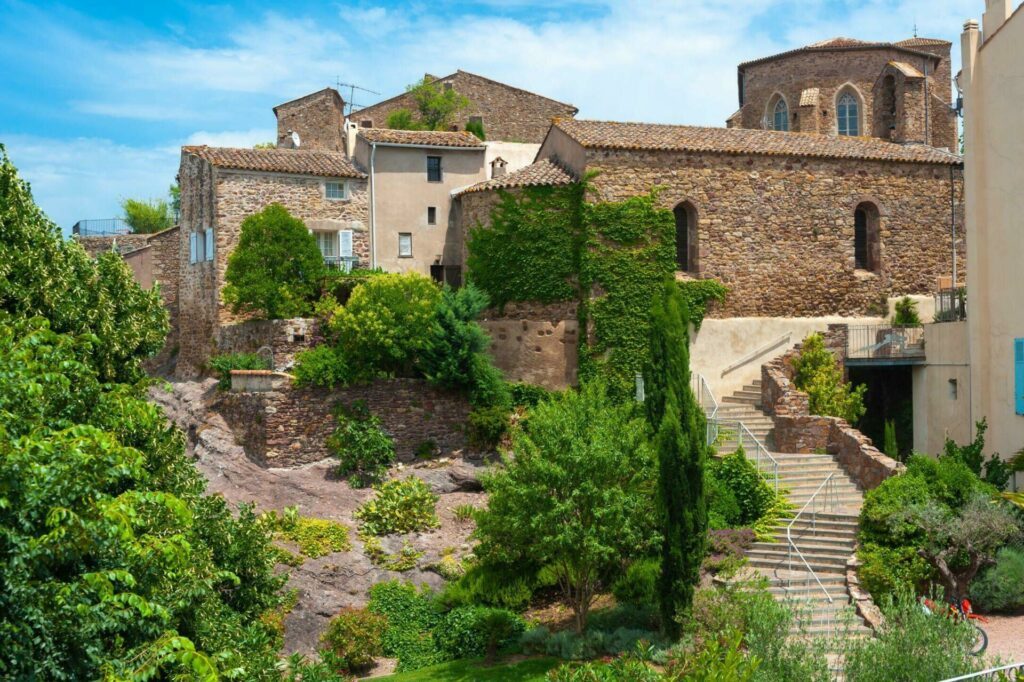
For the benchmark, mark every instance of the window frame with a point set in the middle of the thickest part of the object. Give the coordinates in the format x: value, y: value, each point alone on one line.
x: 325, y: 238
x: 343, y: 184
x: 431, y: 215
x: 408, y: 236
x: 784, y: 111
x: 843, y: 102
x: 440, y: 168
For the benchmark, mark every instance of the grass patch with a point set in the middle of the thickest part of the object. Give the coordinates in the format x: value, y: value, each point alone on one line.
x: 530, y: 670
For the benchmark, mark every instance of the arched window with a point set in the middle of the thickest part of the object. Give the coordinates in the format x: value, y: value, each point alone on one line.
x: 780, y: 117
x: 867, y: 244
x: 848, y: 115
x: 686, y: 237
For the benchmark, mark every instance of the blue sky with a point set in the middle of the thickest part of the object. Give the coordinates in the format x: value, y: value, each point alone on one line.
x: 98, y: 97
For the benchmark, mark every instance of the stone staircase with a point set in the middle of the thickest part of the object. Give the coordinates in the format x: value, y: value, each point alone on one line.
x: 825, y: 534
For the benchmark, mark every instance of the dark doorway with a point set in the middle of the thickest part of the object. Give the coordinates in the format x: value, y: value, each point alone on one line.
x: 890, y: 397
x: 860, y: 239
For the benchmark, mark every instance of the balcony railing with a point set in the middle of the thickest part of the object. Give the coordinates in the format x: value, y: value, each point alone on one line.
x: 885, y: 344
x: 106, y: 227
x: 341, y: 263
x: 951, y: 305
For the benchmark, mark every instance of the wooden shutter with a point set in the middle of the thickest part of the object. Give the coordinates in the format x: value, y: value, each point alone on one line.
x: 1018, y: 367
x: 345, y: 240
x: 191, y: 247
x: 209, y: 243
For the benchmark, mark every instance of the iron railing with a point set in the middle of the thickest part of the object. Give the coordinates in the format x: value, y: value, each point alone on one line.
x: 106, y: 227
x: 951, y: 305
x: 707, y: 402
x: 885, y: 342
x: 828, y: 502
x: 341, y: 263
x: 1014, y: 671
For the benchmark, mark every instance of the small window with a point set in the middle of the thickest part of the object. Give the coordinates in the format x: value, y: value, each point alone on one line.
x: 953, y: 389
x: 404, y: 245
x: 327, y: 242
x: 366, y: 123
x: 431, y: 215
x: 433, y: 169
x: 781, y: 116
x: 336, y: 191
x: 448, y: 85
x: 848, y: 115
x: 198, y: 250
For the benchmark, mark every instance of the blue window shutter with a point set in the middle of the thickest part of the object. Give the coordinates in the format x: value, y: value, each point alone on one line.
x: 209, y: 243
x: 1018, y: 366
x: 191, y: 247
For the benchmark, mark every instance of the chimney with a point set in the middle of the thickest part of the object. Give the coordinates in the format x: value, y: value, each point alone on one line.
x: 498, y: 167
x: 969, y: 43
x: 996, y: 14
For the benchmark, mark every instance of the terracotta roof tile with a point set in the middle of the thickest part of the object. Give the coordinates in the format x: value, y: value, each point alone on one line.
x: 421, y: 138
x: 656, y: 137
x: 543, y: 172
x: 834, y: 44
x: 809, y: 97
x: 906, y: 69
x: 922, y: 42
x: 297, y: 161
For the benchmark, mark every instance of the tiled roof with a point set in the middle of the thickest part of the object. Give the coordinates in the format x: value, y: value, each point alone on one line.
x: 421, y: 138
x: 809, y: 97
x: 906, y: 69
x: 656, y: 137
x: 543, y: 172
x: 834, y: 44
x: 298, y: 161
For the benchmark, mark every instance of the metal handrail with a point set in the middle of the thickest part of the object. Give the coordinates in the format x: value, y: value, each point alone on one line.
x: 758, y: 353
x: 704, y: 397
x: 990, y: 673
x: 830, y: 499
x: 753, y: 448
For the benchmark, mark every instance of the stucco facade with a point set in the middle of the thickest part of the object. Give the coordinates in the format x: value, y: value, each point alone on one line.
x: 993, y: 84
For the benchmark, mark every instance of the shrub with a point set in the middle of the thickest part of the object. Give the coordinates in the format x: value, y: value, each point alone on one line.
x: 890, y: 445
x: 1001, y: 587
x: 571, y: 645
x: 411, y: 619
x: 464, y: 512
x: 638, y: 585
x: 884, y: 502
x: 487, y: 426
x: 223, y: 364
x: 276, y: 269
x: 528, y: 395
x: 401, y: 506
x: 338, y: 285
x: 363, y: 449
x: 322, y: 366
x: 149, y: 216
x: 477, y: 128
x: 475, y: 631
x: 906, y: 313
x: 723, y: 508
x: 818, y: 374
x: 887, y: 570
x: 740, y: 476
x: 726, y: 550
x: 504, y: 586
x: 356, y: 635
x: 315, y: 537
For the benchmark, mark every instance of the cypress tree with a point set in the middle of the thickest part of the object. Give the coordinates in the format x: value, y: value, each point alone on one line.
x: 679, y: 428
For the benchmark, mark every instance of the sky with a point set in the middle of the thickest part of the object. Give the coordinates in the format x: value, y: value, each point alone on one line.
x: 97, y: 98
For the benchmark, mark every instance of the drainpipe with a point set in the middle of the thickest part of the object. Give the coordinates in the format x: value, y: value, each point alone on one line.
x: 952, y: 217
x: 373, y: 208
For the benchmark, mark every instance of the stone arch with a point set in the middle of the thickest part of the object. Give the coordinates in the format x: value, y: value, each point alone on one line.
x: 687, y: 237
x: 850, y: 111
x: 885, y: 113
x: 777, y: 113
x: 867, y: 237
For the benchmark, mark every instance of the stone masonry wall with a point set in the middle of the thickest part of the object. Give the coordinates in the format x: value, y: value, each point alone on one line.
x: 166, y: 272
x: 317, y: 118
x: 536, y: 344
x: 509, y: 114
x: 284, y: 338
x: 830, y: 71
x: 94, y: 246
x: 779, y: 231
x: 288, y: 427
x: 798, y: 431
x: 197, y: 286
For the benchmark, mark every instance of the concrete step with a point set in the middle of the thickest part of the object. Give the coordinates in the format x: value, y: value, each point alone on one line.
x: 808, y: 548
x: 819, y: 567
x: 845, y: 542
x: 798, y: 478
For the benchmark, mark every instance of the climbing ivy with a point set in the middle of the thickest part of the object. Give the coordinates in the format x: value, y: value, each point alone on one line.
x: 549, y: 244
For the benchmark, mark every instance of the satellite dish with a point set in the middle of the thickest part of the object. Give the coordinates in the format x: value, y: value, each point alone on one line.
x: 295, y: 140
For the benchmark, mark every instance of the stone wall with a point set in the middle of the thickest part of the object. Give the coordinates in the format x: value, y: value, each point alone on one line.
x: 289, y: 426
x: 284, y: 338
x: 317, y: 118
x: 164, y: 270
x: 862, y: 69
x: 124, y: 243
x: 798, y: 431
x: 536, y: 344
x: 779, y: 231
x: 509, y: 114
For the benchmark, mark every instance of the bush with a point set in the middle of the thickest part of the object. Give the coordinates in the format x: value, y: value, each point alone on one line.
x: 223, y: 364
x: 315, y: 537
x: 476, y: 631
x: 277, y: 267
x: 338, y: 285
x: 726, y: 550
x: 401, y: 506
x: 503, y: 586
x: 322, y: 366
x: 147, y: 217
x: 723, y: 508
x: 487, y: 426
x: 411, y: 619
x: 818, y: 374
x: 906, y: 313
x: 638, y: 584
x: 477, y: 128
x: 576, y: 646
x: 888, y: 570
x: 528, y: 395
x: 355, y: 635
x: 363, y: 449
x: 1001, y: 587
x: 740, y: 476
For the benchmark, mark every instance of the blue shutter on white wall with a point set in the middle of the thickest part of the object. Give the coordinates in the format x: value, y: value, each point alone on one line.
x: 1018, y: 373
x: 191, y: 247
x: 209, y: 243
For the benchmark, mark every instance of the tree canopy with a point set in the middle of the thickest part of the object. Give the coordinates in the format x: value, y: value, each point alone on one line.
x: 436, y: 107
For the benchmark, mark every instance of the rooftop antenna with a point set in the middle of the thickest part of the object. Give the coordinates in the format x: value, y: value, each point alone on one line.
x: 915, y: 29
x: 349, y: 104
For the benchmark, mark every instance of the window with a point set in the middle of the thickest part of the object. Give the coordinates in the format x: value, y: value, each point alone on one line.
x: 345, y: 243
x: 1018, y: 383
x: 200, y: 246
x: 366, y: 123
x: 780, y: 117
x: 848, y: 115
x: 686, y: 237
x: 860, y: 239
x: 327, y: 242
x: 953, y: 389
x: 431, y: 215
x: 336, y: 191
x: 404, y: 245
x: 433, y: 169
x: 867, y: 247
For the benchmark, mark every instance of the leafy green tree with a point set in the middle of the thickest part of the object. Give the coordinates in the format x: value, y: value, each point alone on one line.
x: 277, y: 267
x: 455, y: 355
x: 386, y: 323
x: 148, y: 216
x: 436, y: 107
x: 174, y: 191
x: 906, y: 313
x: 680, y: 441
x: 818, y: 374
x: 576, y: 497
x: 42, y: 274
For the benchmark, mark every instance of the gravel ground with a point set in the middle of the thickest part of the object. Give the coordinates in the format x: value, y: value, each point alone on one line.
x: 1006, y: 637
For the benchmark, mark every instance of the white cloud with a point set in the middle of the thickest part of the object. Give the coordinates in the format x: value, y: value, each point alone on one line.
x: 233, y: 138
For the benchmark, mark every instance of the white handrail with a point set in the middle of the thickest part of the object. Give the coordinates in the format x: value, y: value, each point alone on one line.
x: 789, y: 532
x: 758, y: 353
x: 1013, y: 667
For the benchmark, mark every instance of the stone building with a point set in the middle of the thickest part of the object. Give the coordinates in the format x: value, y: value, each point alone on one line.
x: 508, y: 114
x: 899, y: 92
x: 315, y: 121
x: 220, y: 187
